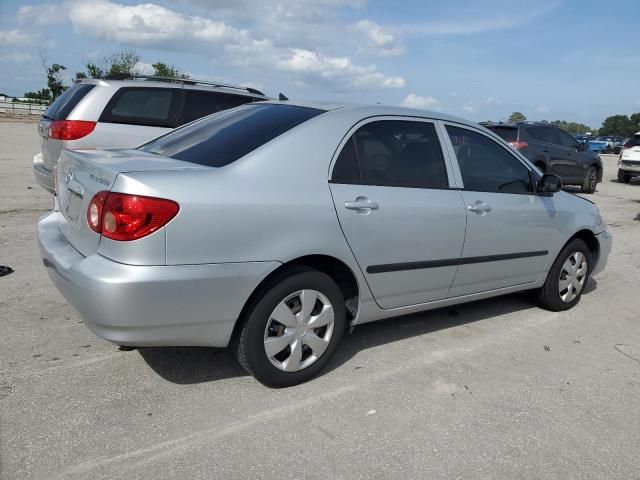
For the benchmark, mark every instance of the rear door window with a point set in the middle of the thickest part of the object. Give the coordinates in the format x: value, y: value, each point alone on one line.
x: 198, y: 104
x: 155, y: 107
x: 566, y: 140
x: 509, y: 134
x: 544, y: 134
x: 393, y: 153
x: 65, y: 103
x: 221, y: 139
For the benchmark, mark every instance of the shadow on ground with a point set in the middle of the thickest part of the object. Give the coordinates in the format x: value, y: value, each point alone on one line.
x: 189, y: 365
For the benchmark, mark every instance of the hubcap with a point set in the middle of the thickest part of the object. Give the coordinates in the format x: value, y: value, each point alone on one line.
x: 299, y: 330
x: 572, y: 276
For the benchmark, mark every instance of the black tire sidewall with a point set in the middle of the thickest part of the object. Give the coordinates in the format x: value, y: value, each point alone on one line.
x: 551, y: 295
x: 251, y: 344
x: 586, y: 183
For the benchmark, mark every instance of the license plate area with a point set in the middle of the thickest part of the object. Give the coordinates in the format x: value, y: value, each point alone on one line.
x: 74, y: 202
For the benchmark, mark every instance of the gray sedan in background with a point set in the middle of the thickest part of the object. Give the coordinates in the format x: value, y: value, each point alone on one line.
x: 273, y: 226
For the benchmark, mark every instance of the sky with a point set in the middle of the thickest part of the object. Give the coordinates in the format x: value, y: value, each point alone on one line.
x: 550, y: 59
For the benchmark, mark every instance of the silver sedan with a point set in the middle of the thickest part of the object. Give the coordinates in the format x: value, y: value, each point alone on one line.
x: 274, y: 226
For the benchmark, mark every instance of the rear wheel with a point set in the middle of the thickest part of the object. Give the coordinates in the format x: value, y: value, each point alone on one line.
x: 623, y: 177
x: 567, y: 278
x: 291, y: 328
x: 590, y: 180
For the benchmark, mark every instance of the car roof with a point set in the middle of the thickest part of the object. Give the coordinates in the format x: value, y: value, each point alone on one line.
x: 369, y: 110
x: 176, y: 83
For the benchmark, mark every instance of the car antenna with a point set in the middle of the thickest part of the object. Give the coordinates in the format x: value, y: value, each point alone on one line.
x: 282, y: 97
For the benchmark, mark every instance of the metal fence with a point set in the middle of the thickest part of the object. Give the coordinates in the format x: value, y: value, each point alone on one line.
x: 19, y: 108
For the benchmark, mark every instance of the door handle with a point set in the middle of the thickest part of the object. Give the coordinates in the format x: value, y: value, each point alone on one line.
x: 361, y: 205
x: 479, y: 207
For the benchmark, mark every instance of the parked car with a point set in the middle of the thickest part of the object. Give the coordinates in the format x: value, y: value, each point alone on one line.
x: 598, y: 146
x: 553, y: 151
x: 125, y: 111
x: 273, y: 226
x: 613, y: 142
x: 629, y: 160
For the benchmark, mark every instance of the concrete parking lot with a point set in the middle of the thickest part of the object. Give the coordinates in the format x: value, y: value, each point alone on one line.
x: 492, y: 389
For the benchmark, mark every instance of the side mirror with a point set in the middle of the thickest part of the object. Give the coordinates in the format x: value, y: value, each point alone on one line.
x: 582, y: 147
x: 550, y: 184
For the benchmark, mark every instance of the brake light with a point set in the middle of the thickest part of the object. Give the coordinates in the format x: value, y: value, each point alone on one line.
x: 519, y: 145
x: 124, y: 217
x: 70, y: 129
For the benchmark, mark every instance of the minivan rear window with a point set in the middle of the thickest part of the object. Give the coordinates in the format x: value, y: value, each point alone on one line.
x: 223, y: 138
x: 508, y: 134
x: 61, y: 108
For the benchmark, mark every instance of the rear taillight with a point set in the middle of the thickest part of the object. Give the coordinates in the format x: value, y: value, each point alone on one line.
x: 123, y: 217
x: 519, y: 145
x: 70, y: 129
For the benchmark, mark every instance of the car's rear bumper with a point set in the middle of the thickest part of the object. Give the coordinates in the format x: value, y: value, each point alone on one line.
x: 150, y: 305
x: 43, y: 175
x: 604, y: 249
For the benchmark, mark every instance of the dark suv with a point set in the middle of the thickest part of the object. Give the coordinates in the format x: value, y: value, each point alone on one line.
x: 553, y: 151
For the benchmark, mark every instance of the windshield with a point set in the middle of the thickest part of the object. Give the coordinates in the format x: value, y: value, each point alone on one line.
x: 222, y: 138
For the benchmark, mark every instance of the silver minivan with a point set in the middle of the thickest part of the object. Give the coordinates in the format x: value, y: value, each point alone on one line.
x: 124, y: 111
x: 273, y: 226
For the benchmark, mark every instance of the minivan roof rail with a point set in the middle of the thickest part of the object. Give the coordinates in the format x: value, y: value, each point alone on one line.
x: 186, y: 81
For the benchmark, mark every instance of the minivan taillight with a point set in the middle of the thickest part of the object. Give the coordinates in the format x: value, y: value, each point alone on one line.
x: 70, y: 129
x: 519, y: 145
x: 124, y: 217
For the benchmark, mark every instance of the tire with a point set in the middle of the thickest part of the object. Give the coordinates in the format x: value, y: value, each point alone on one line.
x: 590, y: 180
x: 551, y: 296
x: 623, y: 177
x: 284, y: 298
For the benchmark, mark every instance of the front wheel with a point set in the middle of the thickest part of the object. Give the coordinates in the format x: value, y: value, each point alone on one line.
x: 291, y: 328
x: 623, y: 177
x: 567, y: 278
x: 590, y: 180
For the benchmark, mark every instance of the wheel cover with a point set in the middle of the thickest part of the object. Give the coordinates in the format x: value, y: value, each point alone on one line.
x: 299, y: 330
x: 572, y: 277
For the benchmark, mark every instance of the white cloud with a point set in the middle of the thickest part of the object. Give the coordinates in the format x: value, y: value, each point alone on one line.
x: 14, y: 38
x: 16, y: 57
x: 425, y: 103
x: 151, y: 25
x: 502, y: 20
x: 42, y: 14
x: 142, y: 68
x: 468, y: 108
x: 148, y: 25
x: 542, y: 109
x: 337, y: 69
x: 379, y: 40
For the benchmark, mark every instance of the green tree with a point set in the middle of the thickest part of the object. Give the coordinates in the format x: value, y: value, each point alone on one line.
x: 516, y: 117
x: 41, y: 96
x: 163, y: 70
x: 54, y: 80
x: 618, y: 125
x: 121, y: 62
x: 94, y: 71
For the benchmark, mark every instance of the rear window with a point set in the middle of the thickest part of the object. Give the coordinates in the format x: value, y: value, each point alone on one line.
x: 507, y: 133
x: 633, y: 141
x: 61, y: 108
x: 198, y: 104
x: 154, y: 107
x: 223, y: 138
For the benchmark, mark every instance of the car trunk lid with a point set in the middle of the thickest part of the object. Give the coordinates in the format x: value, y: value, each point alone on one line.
x: 81, y: 174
